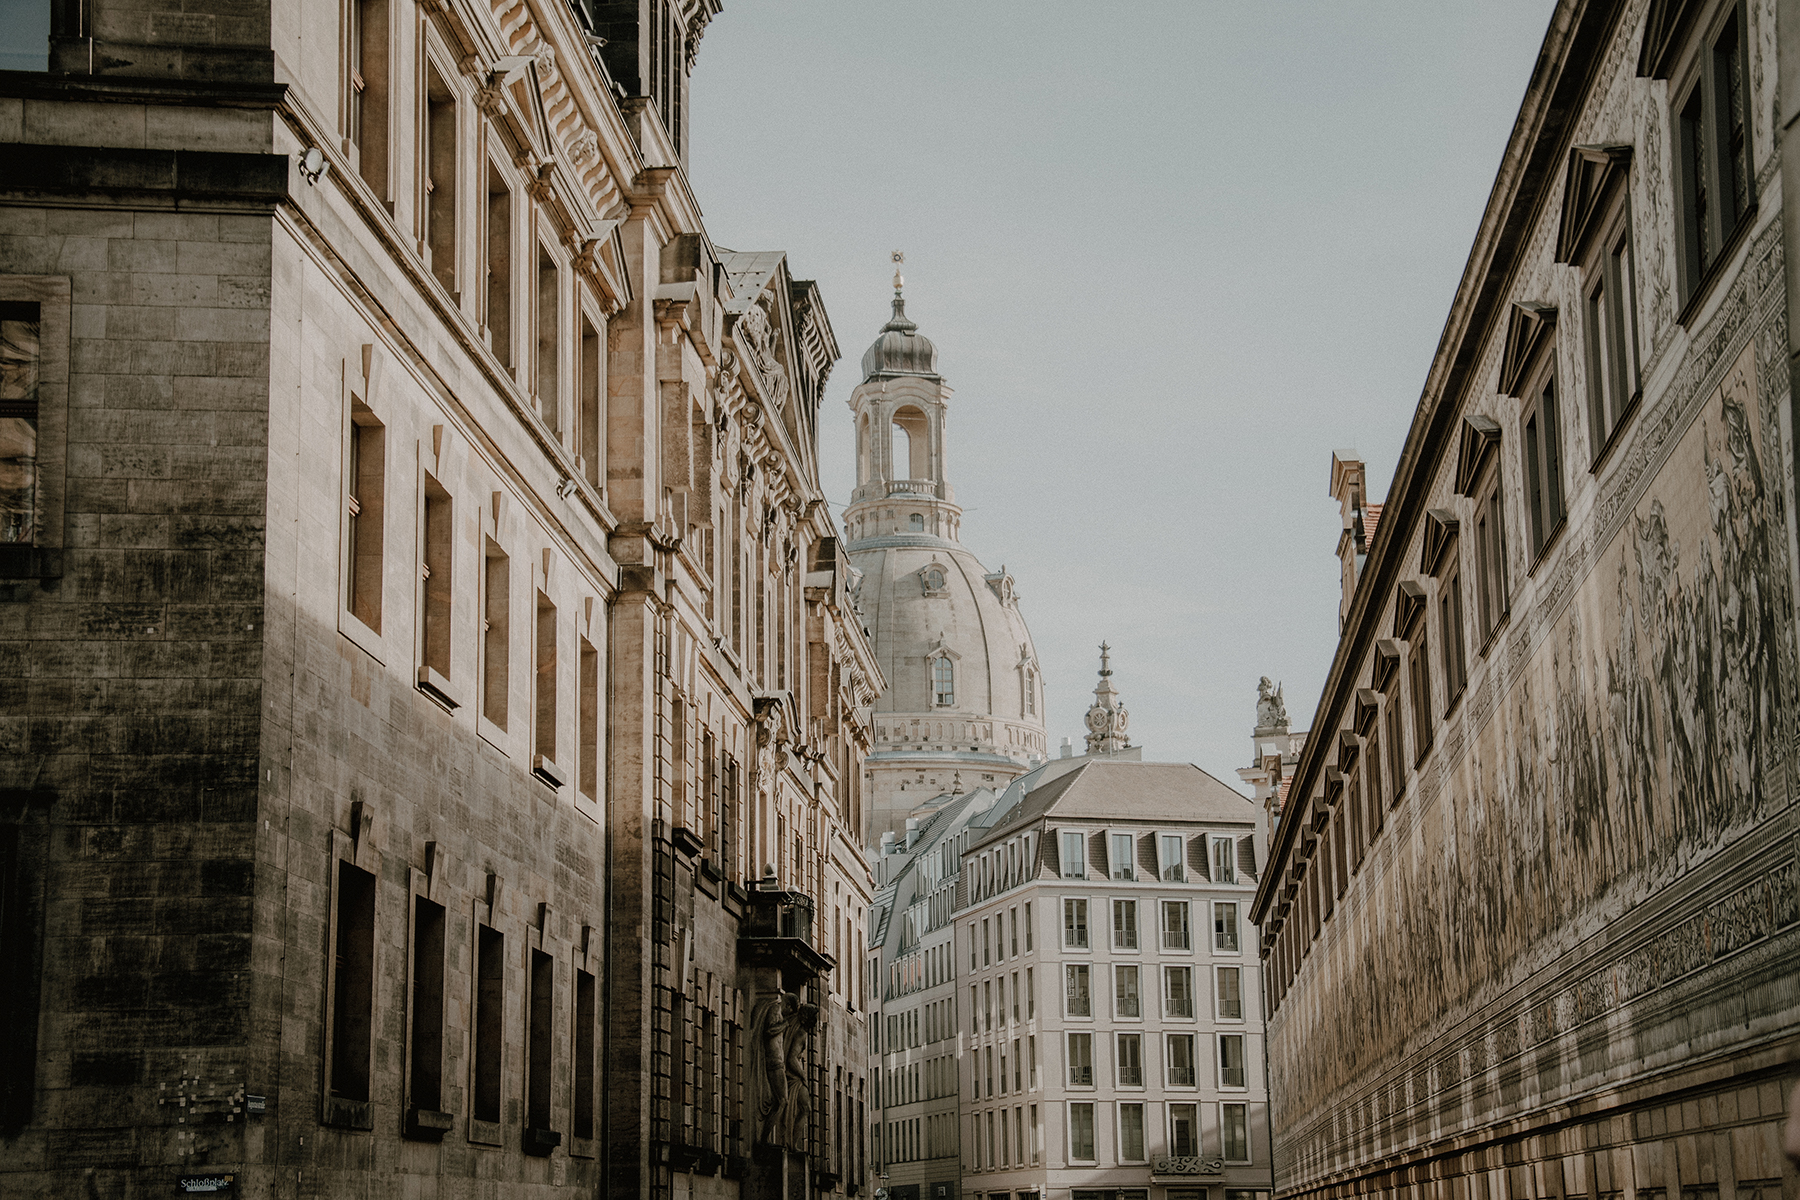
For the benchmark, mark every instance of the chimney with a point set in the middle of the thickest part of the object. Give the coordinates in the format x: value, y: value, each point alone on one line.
x: 912, y: 831
x: 1068, y: 749
x: 887, y: 843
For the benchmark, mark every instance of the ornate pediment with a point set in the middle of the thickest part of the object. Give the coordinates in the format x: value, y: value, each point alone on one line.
x: 1440, y: 536
x: 1594, y: 173
x: 1531, y: 328
x: 1667, y: 21
x: 1480, y: 442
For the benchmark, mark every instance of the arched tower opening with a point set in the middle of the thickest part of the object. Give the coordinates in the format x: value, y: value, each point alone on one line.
x: 912, y: 443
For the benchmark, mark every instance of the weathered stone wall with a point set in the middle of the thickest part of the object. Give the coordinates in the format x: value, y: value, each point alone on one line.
x: 1566, y: 965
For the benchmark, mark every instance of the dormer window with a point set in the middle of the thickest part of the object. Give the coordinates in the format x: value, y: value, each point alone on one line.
x: 1074, y: 855
x: 1121, y: 855
x: 1169, y: 858
x: 931, y: 579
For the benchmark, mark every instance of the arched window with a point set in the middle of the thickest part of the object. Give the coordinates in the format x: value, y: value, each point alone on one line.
x: 1030, y: 692
x: 934, y: 579
x: 943, y: 681
x: 917, y: 521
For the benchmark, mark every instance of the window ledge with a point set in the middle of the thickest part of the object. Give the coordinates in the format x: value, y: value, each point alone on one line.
x: 438, y: 689
x: 1494, y: 634
x: 548, y: 772
x: 1550, y: 541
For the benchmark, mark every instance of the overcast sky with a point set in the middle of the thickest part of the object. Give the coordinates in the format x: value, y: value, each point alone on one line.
x: 1172, y: 256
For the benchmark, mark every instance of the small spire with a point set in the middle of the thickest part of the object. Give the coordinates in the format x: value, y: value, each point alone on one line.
x: 1106, y: 717
x: 899, y: 258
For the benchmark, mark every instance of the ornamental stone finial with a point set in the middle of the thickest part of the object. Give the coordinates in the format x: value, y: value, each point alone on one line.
x: 1106, y: 717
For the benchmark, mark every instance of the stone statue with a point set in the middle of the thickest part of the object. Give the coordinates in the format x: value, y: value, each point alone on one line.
x: 780, y: 1100
x: 1271, y: 710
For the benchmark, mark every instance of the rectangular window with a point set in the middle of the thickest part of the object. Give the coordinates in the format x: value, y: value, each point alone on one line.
x: 581, y: 1117
x: 1419, y: 664
x: 1028, y: 926
x: 1184, y: 1130
x: 1077, y: 1000
x: 1131, y: 1132
x: 1490, y: 556
x: 21, y: 354
x: 1543, y: 468
x: 439, y: 542
x: 1015, y: 996
x: 1713, y: 171
x: 369, y: 91
x: 1074, y: 856
x: 1122, y: 857
x: 1131, y: 1059
x: 425, y: 1068
x: 1030, y: 995
x: 974, y: 948
x: 590, y: 433
x: 544, y: 673
x: 1178, y: 991
x: 1396, y: 740
x: 1175, y: 934
x: 1081, y: 1132
x: 499, y: 266
x: 366, y: 480
x: 1225, y: 927
x: 987, y: 1003
x: 1013, y: 921
x: 1125, y: 931
x: 589, y: 766
x: 549, y: 342
x: 1450, y: 628
x: 440, y: 178
x: 1234, y: 1129
x: 539, y: 1064
x: 490, y: 1029
x: 1169, y: 858
x: 1231, y: 1060
x: 1125, y: 991
x: 1081, y: 1060
x: 496, y: 606
x: 1181, y: 1059
x: 1037, y: 1134
x: 1018, y: 1068
x: 353, y: 985
x: 1231, y: 994
x: 1075, y: 928
x: 1224, y: 860
x: 1611, y: 338
x: 987, y: 949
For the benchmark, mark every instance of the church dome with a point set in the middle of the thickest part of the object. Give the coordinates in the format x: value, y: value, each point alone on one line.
x: 900, y: 349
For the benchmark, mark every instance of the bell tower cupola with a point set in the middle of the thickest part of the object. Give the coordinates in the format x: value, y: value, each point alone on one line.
x: 900, y: 409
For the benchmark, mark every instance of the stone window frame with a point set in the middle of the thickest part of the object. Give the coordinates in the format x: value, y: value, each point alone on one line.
x: 43, y: 559
x: 926, y: 587
x: 360, y: 382
x: 946, y: 655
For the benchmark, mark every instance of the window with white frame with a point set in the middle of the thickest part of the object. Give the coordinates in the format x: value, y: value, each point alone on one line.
x: 1126, y: 1003
x: 1125, y: 931
x: 1175, y: 931
x: 1230, y: 993
x: 1181, y: 1059
x: 1077, y: 999
x: 1075, y: 923
x: 1081, y: 1132
x: 1231, y: 1060
x: 1131, y: 1059
x: 1081, y: 1060
x: 1178, y: 991
x: 1234, y: 1128
x: 1225, y: 927
x: 1122, y: 864
x: 1074, y: 854
x: 1131, y: 1132
x: 1169, y: 858
x: 1224, y: 859
x: 1184, y: 1130
x: 943, y: 681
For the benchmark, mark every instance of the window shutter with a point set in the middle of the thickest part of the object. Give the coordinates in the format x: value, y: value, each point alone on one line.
x: 1097, y: 855
x: 1199, y: 861
x: 1247, y: 857
x: 1052, y: 843
x: 1147, y: 857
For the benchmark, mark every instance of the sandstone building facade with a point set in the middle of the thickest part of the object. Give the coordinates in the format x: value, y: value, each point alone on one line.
x: 1530, y: 924
x: 433, y: 718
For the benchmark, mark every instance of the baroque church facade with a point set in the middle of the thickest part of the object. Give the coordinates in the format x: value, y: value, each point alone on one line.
x: 433, y: 727
x: 964, y: 707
